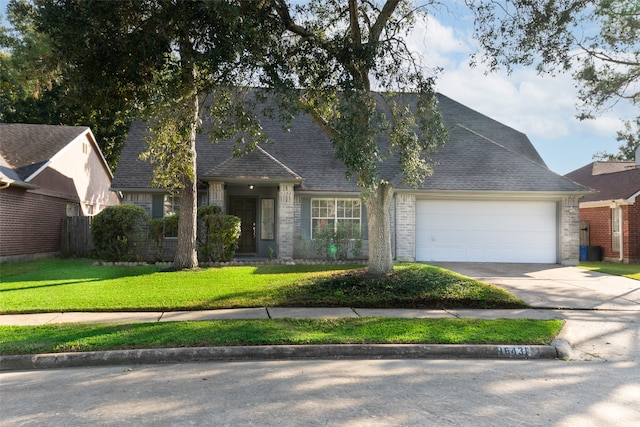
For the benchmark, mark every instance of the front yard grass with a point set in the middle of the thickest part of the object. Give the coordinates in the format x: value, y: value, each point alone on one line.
x: 56, y: 285
x: 631, y: 271
x: 95, y: 337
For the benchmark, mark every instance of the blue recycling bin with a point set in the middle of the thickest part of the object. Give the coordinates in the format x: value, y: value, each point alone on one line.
x: 584, y: 252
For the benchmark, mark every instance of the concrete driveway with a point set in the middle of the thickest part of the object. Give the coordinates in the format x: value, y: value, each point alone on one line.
x: 557, y: 287
x: 602, y: 311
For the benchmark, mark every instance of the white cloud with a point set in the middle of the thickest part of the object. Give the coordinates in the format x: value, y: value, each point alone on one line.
x: 543, y: 107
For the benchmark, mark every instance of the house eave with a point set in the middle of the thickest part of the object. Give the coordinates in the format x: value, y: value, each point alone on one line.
x: 606, y: 203
x: 253, y: 180
x: 493, y: 195
x: 138, y: 190
x: 13, y: 183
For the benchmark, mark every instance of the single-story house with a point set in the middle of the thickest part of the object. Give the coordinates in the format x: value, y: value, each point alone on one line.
x: 491, y: 198
x: 611, y: 215
x: 47, y: 173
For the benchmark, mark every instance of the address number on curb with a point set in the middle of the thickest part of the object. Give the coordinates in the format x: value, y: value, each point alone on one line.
x: 514, y: 351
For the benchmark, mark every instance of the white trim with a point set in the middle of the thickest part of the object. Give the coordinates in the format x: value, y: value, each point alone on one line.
x: 492, y: 195
x: 605, y: 204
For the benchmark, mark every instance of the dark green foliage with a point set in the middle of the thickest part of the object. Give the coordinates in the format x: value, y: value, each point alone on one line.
x: 218, y: 234
x: 407, y: 286
x: 348, y: 241
x: 117, y: 232
x: 159, y: 228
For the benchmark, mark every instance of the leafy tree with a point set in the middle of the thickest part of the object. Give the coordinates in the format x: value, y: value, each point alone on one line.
x: 35, y: 85
x: 630, y: 138
x: 599, y: 41
x: 333, y: 55
x: 161, y: 57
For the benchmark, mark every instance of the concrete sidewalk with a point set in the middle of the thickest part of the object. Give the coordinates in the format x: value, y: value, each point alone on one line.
x: 269, y: 313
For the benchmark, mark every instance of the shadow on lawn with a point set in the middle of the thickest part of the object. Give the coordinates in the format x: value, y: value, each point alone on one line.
x: 49, y: 285
x: 79, y: 270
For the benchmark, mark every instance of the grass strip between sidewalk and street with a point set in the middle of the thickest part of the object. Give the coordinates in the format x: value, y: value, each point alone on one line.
x: 59, y: 338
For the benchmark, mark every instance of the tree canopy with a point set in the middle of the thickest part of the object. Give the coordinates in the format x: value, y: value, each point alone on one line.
x: 598, y: 41
x: 332, y: 58
x: 160, y: 58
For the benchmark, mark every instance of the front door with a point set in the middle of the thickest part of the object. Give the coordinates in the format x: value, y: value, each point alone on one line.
x: 245, y: 209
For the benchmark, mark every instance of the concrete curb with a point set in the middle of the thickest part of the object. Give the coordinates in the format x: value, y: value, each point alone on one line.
x: 278, y: 352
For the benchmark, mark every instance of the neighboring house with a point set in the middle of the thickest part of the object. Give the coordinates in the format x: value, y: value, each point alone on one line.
x: 612, y: 214
x: 491, y: 199
x: 46, y: 174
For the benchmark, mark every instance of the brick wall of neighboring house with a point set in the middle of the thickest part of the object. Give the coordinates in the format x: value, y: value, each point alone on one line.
x: 30, y: 223
x: 631, y: 232
x: 599, y: 219
x: 599, y: 228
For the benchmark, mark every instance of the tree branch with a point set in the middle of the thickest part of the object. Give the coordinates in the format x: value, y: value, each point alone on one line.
x: 384, y: 16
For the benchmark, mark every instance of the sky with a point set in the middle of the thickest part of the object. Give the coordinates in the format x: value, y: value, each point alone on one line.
x: 543, y: 107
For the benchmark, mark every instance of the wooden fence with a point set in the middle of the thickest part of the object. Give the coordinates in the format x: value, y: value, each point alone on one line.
x: 76, y: 237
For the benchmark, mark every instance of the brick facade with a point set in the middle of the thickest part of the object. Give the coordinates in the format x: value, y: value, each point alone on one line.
x: 30, y: 223
x: 285, y: 221
x: 600, y: 228
x: 569, y: 233
x: 405, y: 229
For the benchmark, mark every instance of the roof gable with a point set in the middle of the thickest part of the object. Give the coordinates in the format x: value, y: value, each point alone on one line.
x: 28, y: 147
x: 257, y: 164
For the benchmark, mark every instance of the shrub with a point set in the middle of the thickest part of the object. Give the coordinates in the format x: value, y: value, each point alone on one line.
x: 159, y: 228
x: 117, y: 231
x: 218, y: 234
x: 348, y: 240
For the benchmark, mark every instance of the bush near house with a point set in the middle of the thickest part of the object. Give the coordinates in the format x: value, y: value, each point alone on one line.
x: 218, y: 234
x: 118, y: 231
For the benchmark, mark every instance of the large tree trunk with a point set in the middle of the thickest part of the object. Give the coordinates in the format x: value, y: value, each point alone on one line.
x: 186, y: 254
x: 378, y: 205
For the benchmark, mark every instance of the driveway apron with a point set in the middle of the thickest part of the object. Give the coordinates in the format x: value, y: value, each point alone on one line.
x: 602, y: 311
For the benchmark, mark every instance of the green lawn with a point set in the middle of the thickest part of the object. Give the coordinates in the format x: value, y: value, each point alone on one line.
x: 94, y: 337
x: 55, y: 285
x: 631, y: 271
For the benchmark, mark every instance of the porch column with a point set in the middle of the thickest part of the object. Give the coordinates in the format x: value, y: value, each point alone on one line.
x: 216, y: 194
x: 405, y: 221
x: 569, y: 246
x: 285, y: 221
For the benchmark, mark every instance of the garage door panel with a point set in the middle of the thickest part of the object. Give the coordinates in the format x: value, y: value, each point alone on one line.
x: 487, y: 231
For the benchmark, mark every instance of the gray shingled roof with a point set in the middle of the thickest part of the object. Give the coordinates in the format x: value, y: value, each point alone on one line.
x: 26, y: 147
x: 608, y: 186
x: 480, y: 155
x: 257, y: 165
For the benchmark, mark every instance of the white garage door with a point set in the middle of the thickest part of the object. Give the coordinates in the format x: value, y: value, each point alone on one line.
x: 486, y: 231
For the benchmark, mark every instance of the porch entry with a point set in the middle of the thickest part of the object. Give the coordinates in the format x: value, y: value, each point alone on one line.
x: 245, y: 209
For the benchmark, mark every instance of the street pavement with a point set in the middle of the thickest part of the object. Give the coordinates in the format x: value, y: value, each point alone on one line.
x: 598, y: 386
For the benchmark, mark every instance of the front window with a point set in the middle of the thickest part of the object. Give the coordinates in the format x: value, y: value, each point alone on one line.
x: 616, y: 229
x: 171, y: 205
x: 335, y: 214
